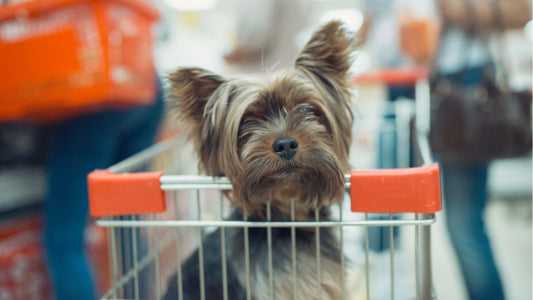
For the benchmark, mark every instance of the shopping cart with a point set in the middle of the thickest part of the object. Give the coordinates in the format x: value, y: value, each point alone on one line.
x: 155, y: 220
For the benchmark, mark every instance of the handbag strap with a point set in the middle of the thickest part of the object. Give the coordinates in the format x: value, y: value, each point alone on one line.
x: 499, y: 67
x: 477, y: 29
x: 502, y: 49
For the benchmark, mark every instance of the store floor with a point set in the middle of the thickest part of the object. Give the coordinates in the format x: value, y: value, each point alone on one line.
x: 509, y: 228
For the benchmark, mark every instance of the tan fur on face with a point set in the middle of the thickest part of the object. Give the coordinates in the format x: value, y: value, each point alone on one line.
x: 296, y: 108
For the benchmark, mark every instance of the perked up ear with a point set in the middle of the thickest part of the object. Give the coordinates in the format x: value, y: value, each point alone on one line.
x: 191, y: 88
x: 328, y: 51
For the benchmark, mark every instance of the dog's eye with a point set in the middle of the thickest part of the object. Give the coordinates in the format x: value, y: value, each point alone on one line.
x: 248, y: 122
x: 307, y: 109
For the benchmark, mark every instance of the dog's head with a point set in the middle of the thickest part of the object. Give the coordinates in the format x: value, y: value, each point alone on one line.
x: 283, y: 138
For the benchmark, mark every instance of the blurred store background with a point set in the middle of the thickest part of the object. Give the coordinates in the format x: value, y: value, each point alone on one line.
x: 223, y: 36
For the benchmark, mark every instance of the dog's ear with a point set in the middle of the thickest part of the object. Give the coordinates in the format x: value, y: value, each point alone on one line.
x: 191, y: 88
x: 328, y: 51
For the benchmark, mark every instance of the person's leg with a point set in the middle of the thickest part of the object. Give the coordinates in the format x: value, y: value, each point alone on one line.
x: 78, y: 147
x: 465, y: 196
x: 140, y: 130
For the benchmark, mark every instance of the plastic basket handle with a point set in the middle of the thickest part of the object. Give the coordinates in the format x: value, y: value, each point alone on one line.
x: 125, y: 194
x: 411, y: 190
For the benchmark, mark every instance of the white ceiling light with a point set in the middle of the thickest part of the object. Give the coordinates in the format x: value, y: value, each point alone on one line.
x: 192, y: 5
x: 353, y: 18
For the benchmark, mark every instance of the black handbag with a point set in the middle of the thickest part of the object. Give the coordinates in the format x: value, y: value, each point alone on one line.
x: 479, y: 123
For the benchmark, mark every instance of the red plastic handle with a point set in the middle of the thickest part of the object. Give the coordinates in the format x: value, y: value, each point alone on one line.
x: 415, y: 190
x: 412, y: 190
x: 125, y: 194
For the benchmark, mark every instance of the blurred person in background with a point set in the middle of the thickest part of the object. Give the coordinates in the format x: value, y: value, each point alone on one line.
x: 462, y: 57
x: 266, y: 34
x: 79, y: 146
x: 380, y: 36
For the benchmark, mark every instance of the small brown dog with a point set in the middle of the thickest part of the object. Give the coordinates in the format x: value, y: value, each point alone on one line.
x: 278, y: 141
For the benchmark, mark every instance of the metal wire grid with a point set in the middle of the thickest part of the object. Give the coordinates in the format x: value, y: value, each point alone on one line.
x: 127, y: 280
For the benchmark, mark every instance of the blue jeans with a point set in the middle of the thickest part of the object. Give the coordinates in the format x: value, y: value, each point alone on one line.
x: 465, y: 198
x: 79, y: 146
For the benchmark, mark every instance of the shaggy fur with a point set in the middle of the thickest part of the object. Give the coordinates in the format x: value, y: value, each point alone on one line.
x: 282, y: 139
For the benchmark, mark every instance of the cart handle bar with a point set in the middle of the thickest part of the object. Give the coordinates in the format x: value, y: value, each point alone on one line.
x: 409, y: 190
x: 391, y: 76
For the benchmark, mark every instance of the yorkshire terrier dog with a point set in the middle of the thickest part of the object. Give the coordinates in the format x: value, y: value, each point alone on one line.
x: 280, y: 140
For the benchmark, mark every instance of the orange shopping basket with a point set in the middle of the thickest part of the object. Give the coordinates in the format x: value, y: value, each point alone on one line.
x: 63, y: 57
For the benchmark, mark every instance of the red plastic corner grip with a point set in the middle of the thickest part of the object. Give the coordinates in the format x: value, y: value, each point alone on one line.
x: 411, y: 190
x: 125, y: 194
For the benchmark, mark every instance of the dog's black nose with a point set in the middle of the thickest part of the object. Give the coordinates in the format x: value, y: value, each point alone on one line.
x: 286, y: 147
